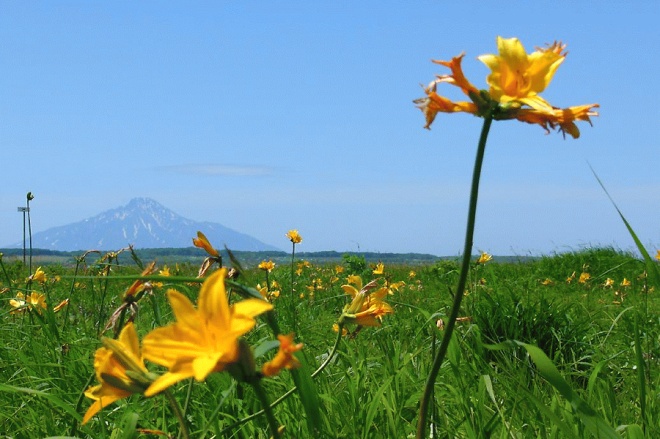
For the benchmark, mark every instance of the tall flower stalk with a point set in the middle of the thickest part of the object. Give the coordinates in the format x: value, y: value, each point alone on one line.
x: 295, y: 238
x: 515, y: 81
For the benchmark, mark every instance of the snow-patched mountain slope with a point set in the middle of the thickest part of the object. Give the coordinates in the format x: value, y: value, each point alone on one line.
x: 144, y: 223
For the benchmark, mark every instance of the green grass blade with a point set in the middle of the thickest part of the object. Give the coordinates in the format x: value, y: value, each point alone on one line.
x: 308, y: 397
x: 594, y: 423
x: 54, y: 400
x: 651, y: 267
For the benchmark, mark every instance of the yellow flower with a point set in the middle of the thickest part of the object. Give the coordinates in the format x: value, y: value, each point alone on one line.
x: 284, y: 358
x: 204, y: 243
x: 515, y: 81
x: 202, y: 340
x: 570, y: 278
x: 133, y: 293
x: 609, y: 282
x: 395, y: 286
x: 547, y: 282
x: 165, y: 271
x: 39, y: 276
x: 335, y: 328
x: 356, y: 280
x: 61, y: 305
x: 267, y: 265
x: 367, y: 308
x: 485, y: 257
x: 294, y: 236
x: 657, y: 255
x: 36, y: 301
x: 412, y: 274
x: 18, y: 304
x: 120, y: 370
x: 518, y: 77
x: 380, y: 267
x: 625, y: 282
x: 584, y: 277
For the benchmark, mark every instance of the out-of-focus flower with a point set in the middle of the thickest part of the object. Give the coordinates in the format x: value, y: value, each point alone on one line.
x: 165, y: 271
x: 547, y: 282
x: 516, y: 81
x: 354, y: 279
x: 584, y: 277
x: 268, y: 295
x: 34, y: 301
x: 485, y: 257
x: 412, y: 274
x: 203, y: 340
x: 570, y: 278
x: 339, y: 269
x: 134, y: 292
x: 202, y: 242
x: 284, y: 358
x: 266, y: 266
x: 657, y: 255
x: 18, y: 304
x: 380, y: 268
x: 395, y: 286
x: 61, y: 305
x: 294, y: 236
x: 625, y: 282
x: 120, y: 370
x: 609, y: 283
x: 335, y: 328
x: 38, y: 276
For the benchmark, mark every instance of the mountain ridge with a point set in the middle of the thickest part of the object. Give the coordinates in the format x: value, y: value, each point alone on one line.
x: 143, y: 223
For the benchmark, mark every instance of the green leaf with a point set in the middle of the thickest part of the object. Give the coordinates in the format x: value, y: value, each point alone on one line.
x: 265, y: 346
x: 308, y: 397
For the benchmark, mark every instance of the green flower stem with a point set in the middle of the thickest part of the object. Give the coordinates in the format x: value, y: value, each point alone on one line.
x: 335, y: 347
x: 458, y: 296
x: 292, y: 300
x: 178, y: 414
x: 4, y: 270
x: 263, y: 399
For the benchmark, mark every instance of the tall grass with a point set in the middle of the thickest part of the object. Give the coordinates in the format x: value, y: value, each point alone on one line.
x: 604, y: 346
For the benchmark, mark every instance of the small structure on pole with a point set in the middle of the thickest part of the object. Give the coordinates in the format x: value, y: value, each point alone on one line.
x: 25, y: 210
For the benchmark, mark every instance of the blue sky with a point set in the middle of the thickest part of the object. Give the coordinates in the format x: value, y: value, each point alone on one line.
x: 268, y: 116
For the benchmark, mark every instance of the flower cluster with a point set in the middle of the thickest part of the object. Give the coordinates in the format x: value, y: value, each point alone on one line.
x: 201, y: 341
x: 515, y: 83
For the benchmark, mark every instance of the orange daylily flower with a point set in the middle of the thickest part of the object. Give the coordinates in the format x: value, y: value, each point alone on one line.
x: 284, y: 358
x: 202, y: 242
x: 120, y: 370
x: 485, y: 257
x: 267, y: 265
x: 294, y: 236
x: 516, y: 81
x: 367, y: 308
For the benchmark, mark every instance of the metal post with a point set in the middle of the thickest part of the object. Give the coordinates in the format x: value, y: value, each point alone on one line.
x: 24, y: 210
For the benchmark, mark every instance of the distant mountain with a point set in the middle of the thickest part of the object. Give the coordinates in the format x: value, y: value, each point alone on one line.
x: 144, y: 223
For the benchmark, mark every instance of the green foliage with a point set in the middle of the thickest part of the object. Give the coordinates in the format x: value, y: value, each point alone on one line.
x: 587, y: 358
x: 355, y: 264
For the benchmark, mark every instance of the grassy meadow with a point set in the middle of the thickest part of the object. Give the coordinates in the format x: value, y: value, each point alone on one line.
x: 593, y: 315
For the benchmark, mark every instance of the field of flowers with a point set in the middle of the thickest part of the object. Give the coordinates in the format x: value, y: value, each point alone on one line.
x: 108, y: 349
x: 565, y: 346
